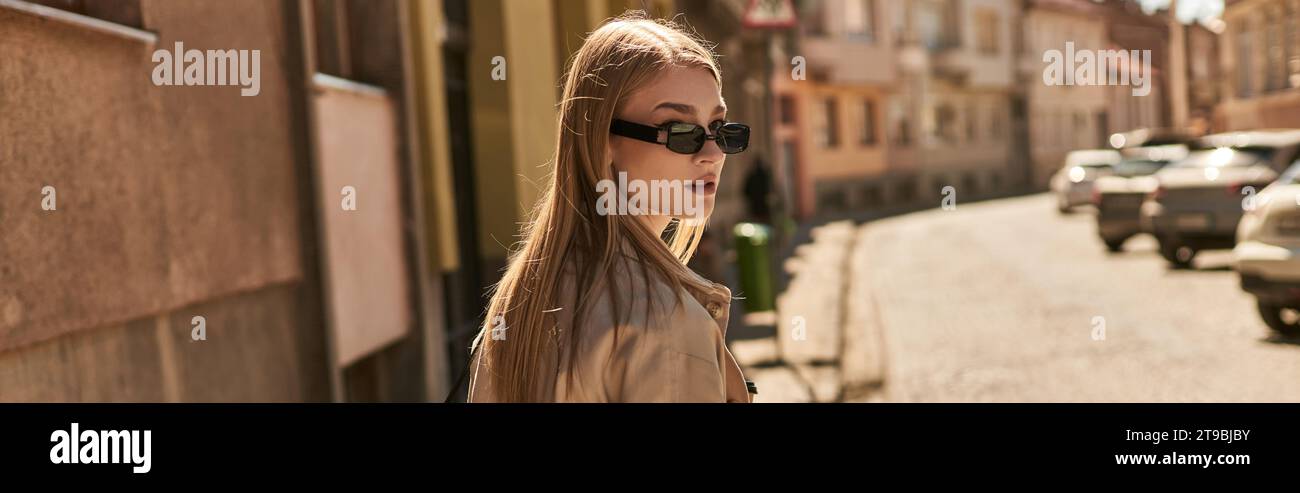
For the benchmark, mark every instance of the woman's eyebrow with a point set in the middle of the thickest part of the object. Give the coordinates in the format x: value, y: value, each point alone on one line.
x: 686, y: 109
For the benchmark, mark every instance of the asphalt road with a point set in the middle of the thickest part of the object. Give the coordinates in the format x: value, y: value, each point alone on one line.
x: 1001, y: 301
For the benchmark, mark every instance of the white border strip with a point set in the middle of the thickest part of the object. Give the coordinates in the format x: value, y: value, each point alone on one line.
x: 82, y: 21
x: 327, y: 81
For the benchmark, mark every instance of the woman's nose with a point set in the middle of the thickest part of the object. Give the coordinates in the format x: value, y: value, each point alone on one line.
x: 710, y: 153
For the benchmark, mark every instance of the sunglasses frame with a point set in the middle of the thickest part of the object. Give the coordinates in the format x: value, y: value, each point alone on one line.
x: 648, y: 133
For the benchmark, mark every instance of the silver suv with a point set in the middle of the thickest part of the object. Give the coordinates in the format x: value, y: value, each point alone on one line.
x: 1267, y: 254
x: 1198, y: 201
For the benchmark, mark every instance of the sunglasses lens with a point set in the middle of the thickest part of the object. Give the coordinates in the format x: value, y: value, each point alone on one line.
x: 685, y: 138
x: 733, y: 138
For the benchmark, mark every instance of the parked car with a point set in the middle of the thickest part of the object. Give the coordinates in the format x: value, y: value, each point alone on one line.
x: 1118, y: 197
x: 1197, y: 202
x: 1072, y: 184
x: 1268, y: 252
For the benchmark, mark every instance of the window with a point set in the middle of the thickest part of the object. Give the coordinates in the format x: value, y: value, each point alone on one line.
x: 970, y: 123
x: 786, y: 107
x: 996, y: 122
x: 871, y: 195
x: 1245, y: 65
x: 900, y: 127
x: 945, y: 127
x: 859, y: 19
x: 831, y: 197
x: 814, y: 18
x: 1275, y: 57
x: 936, y: 23
x: 937, y: 184
x: 357, y: 40
x: 333, y: 53
x: 867, y: 131
x: 124, y: 12
x: 988, y: 32
x: 970, y: 184
x: 1293, y: 43
x: 828, y: 124
x: 1259, y: 69
x: 906, y: 190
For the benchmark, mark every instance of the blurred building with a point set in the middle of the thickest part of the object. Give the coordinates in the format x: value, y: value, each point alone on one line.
x: 1203, y: 76
x: 1130, y: 29
x: 180, y: 207
x: 1260, y: 53
x: 901, y: 100
x: 829, y: 126
x: 1061, y: 118
x: 957, y: 68
x: 186, y: 211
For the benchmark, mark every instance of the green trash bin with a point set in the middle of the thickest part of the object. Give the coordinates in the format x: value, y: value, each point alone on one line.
x: 754, y: 258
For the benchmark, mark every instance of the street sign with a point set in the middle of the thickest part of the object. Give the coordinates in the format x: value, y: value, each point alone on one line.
x: 770, y: 14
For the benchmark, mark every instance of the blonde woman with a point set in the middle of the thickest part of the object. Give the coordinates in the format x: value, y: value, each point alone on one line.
x: 597, y: 304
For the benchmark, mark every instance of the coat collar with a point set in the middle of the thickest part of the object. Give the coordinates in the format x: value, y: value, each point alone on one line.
x: 715, y: 297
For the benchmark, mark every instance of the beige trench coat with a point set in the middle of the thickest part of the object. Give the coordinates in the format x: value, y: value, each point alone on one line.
x: 683, y: 360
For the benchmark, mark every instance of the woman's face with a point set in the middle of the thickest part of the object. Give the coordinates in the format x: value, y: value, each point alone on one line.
x: 679, y: 94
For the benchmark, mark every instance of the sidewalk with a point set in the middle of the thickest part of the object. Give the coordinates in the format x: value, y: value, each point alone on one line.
x: 822, y: 344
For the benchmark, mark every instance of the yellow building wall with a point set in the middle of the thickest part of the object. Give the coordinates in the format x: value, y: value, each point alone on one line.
x: 849, y: 159
x: 434, y: 145
x: 514, y: 120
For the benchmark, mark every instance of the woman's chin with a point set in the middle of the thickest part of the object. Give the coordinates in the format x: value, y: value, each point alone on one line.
x: 700, y: 217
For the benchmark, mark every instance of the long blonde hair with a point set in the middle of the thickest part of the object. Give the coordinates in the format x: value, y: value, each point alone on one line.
x: 614, y: 61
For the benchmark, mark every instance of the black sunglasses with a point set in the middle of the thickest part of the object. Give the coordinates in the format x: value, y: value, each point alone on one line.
x: 686, y: 138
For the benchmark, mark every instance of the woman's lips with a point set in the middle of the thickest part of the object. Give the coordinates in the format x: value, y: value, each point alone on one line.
x: 707, y: 184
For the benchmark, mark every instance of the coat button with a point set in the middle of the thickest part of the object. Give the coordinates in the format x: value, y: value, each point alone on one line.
x: 715, y: 309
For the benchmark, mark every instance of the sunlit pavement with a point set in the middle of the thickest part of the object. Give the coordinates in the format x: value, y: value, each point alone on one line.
x: 1000, y: 301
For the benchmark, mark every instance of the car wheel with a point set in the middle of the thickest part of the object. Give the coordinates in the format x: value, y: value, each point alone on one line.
x: 1061, y: 205
x: 1178, y: 255
x: 1114, y: 245
x: 1283, y: 320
